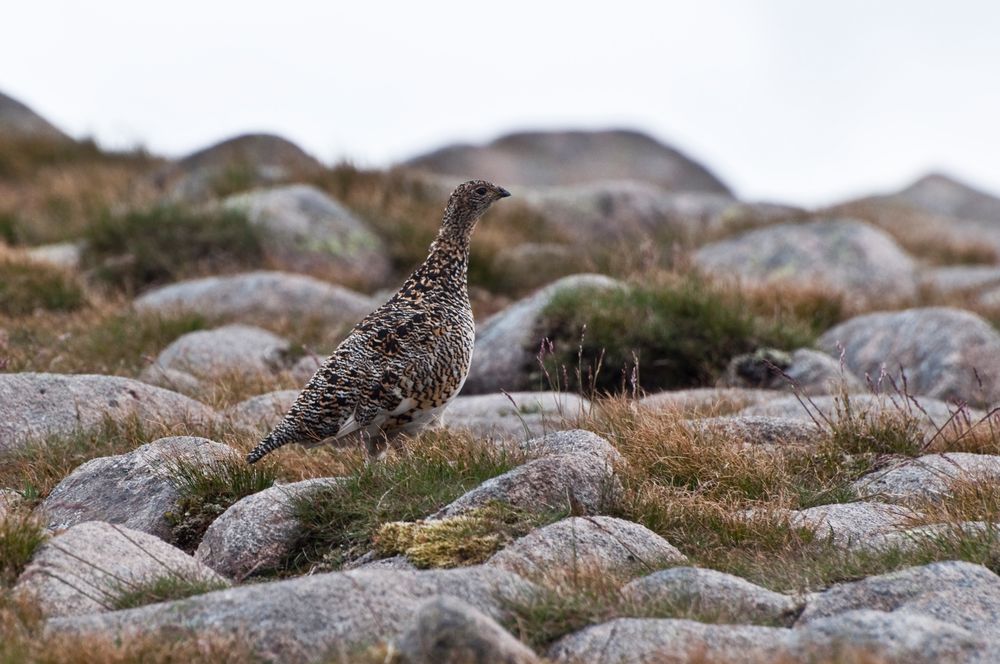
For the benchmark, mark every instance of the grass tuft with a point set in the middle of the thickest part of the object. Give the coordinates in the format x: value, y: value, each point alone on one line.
x: 209, y: 489
x: 673, y: 333
x: 21, y: 533
x: 339, y: 523
x: 161, y: 589
x: 143, y: 249
x: 27, y: 286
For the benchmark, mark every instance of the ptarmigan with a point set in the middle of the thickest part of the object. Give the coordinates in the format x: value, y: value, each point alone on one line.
x: 404, y: 362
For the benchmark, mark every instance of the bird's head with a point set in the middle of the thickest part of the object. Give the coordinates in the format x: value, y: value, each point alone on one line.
x: 472, y: 199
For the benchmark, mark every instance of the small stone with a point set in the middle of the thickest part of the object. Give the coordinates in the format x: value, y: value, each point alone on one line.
x: 449, y: 631
x: 257, y: 533
x: 712, y: 596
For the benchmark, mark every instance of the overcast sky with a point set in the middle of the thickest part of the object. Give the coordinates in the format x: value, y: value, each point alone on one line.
x: 784, y: 99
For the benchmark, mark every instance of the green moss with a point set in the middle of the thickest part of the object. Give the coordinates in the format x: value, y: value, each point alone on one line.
x: 26, y: 287
x: 455, y: 541
x: 668, y: 336
x: 143, y: 249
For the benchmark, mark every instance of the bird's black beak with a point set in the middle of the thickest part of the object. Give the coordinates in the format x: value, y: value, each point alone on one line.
x: 503, y: 192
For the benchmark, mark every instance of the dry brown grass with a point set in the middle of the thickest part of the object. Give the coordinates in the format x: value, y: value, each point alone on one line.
x: 23, y: 638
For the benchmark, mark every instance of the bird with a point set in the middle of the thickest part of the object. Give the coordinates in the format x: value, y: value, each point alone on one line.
x: 402, y: 364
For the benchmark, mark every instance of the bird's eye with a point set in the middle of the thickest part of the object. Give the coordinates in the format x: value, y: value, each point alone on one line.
x: 481, y: 191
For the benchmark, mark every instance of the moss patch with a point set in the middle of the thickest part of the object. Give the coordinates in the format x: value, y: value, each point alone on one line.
x: 456, y: 541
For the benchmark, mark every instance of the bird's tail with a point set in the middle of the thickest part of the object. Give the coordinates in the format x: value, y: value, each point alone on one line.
x: 282, y: 434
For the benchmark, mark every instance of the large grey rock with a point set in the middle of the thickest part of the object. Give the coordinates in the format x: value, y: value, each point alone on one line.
x: 928, y: 415
x: 312, y: 232
x: 260, y: 297
x: 706, y: 593
x: 35, y: 405
x: 515, y: 414
x: 946, y: 353
x: 571, y: 157
x: 943, y: 195
x: 927, y: 477
x: 86, y: 568
x: 312, y: 618
x: 849, y: 524
x: 508, y: 342
x: 804, y: 371
x: 236, y: 163
x: 230, y: 351
x: 930, y: 536
x: 955, y: 592
x: 19, y: 121
x: 257, y: 532
x: 262, y: 412
x: 602, y: 544
x: 567, y: 465
x: 861, y: 636
x: 707, y: 401
x: 846, y: 256
x: 449, y: 631
x: 133, y: 489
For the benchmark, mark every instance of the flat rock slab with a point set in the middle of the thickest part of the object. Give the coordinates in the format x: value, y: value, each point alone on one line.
x: 846, y: 256
x: 566, y: 462
x: 515, y: 414
x: 758, y: 430
x: 850, y: 524
x: 449, y: 631
x: 712, y: 595
x: 927, y: 477
x: 613, y: 547
x: 35, y: 405
x: 708, y: 401
x: 508, y: 342
x: 259, y: 297
x: 868, y: 635
x: 86, y: 568
x: 955, y: 592
x: 256, y: 533
x: 232, y: 350
x: 133, y: 489
x: 948, y: 354
x: 321, y: 617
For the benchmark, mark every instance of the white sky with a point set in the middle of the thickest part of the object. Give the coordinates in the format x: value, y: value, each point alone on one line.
x: 790, y: 100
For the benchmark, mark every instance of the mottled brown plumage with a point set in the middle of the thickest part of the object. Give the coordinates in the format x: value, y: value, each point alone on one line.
x: 405, y: 361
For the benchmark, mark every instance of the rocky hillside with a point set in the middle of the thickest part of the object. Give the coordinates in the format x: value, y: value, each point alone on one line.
x: 696, y: 429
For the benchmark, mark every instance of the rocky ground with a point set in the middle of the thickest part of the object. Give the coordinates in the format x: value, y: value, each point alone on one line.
x: 697, y: 429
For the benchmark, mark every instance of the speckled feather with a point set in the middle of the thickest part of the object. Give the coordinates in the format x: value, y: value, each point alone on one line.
x: 405, y: 361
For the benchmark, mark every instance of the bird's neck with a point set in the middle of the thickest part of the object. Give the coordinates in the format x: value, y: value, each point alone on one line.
x: 448, y: 259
